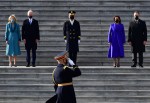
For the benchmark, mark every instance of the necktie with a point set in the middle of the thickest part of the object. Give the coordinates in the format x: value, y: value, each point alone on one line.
x: 30, y: 21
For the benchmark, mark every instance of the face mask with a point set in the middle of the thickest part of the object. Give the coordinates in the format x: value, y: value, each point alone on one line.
x: 30, y: 17
x: 136, y: 17
x: 117, y: 21
x: 12, y: 20
x: 71, y: 17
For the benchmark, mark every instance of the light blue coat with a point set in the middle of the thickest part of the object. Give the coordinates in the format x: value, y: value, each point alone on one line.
x: 12, y: 35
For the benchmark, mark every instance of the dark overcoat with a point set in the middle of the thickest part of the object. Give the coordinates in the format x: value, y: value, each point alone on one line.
x: 137, y: 34
x: 30, y: 32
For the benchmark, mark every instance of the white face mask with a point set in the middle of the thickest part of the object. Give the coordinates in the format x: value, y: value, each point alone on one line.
x: 12, y: 20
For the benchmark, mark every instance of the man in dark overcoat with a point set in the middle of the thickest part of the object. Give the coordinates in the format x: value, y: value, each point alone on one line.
x: 30, y: 36
x: 137, y: 38
x: 72, y: 33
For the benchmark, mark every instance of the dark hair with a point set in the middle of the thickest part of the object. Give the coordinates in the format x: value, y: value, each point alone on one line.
x: 118, y: 18
x: 137, y: 12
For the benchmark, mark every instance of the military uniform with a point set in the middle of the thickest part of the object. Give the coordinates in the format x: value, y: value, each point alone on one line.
x: 62, y: 78
x: 63, y: 75
x: 72, y: 34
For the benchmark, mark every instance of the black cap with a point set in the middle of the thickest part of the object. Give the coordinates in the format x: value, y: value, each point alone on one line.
x: 61, y: 55
x: 72, y: 12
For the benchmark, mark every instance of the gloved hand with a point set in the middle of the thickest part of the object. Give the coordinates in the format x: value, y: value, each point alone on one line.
x: 78, y: 41
x: 70, y: 62
x: 65, y: 41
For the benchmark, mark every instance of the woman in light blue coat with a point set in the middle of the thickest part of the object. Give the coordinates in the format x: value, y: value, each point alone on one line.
x: 13, y: 38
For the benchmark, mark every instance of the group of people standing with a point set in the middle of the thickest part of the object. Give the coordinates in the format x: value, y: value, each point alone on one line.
x: 30, y: 36
x: 137, y: 39
x: 62, y: 74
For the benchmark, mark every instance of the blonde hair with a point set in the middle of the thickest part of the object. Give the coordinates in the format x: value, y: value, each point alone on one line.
x: 12, y: 16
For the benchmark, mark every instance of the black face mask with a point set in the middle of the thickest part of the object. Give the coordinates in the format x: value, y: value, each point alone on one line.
x: 136, y: 17
x: 71, y: 17
x: 30, y: 17
x: 117, y: 21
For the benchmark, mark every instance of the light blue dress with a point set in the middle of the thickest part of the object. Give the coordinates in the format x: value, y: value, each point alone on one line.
x: 12, y: 35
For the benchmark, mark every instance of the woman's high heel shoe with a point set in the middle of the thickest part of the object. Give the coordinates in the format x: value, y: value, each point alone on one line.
x: 15, y: 65
x: 114, y: 65
x: 10, y: 65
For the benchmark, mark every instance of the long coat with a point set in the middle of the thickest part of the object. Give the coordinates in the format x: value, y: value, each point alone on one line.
x: 63, y: 74
x: 72, y: 34
x: 116, y: 38
x: 30, y: 32
x: 12, y: 35
x: 137, y: 34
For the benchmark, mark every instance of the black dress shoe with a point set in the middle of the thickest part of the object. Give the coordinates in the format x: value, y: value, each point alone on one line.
x: 33, y: 65
x: 140, y: 65
x: 118, y: 65
x: 28, y: 65
x: 133, y: 65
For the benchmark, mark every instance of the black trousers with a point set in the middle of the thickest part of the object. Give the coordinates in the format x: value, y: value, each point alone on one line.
x: 73, y: 56
x: 52, y: 99
x: 134, y: 58
x: 65, y: 94
x: 28, y: 58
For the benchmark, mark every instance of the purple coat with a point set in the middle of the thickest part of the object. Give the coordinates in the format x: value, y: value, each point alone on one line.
x: 116, y: 38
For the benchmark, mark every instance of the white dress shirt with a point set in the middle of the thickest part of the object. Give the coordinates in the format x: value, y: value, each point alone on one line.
x: 30, y: 20
x: 71, y: 21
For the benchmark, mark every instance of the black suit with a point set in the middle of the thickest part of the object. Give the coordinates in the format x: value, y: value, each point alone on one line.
x: 30, y: 32
x: 72, y: 34
x: 137, y: 34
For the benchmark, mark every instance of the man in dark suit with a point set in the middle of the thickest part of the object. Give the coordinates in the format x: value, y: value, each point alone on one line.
x: 137, y: 38
x: 72, y: 35
x: 30, y: 36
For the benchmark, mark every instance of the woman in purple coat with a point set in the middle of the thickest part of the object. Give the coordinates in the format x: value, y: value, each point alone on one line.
x: 116, y: 39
